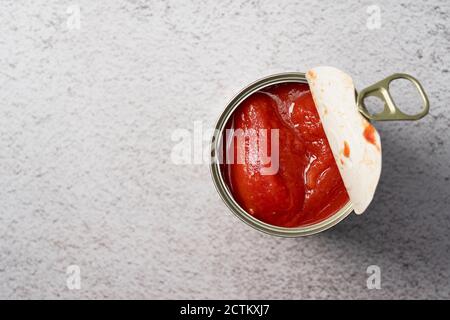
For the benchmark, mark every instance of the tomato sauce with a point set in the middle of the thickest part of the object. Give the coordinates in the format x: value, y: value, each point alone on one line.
x: 307, y: 187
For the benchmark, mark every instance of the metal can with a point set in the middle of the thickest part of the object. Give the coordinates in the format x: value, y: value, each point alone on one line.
x: 391, y: 112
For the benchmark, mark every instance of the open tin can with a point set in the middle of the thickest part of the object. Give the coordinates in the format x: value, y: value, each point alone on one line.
x: 390, y: 112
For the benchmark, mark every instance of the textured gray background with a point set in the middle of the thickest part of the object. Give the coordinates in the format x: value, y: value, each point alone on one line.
x: 86, y: 178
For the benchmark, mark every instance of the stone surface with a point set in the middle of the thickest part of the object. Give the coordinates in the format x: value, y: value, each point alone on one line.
x: 87, y: 119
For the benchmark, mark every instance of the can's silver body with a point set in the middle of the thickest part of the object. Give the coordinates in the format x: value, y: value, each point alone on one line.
x: 223, y: 189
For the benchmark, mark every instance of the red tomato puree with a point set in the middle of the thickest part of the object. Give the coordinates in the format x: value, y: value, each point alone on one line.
x: 307, y: 188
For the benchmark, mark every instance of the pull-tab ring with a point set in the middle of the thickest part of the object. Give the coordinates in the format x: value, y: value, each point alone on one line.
x: 391, y: 111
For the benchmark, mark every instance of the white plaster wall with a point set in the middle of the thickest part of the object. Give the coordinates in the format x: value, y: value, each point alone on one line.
x: 86, y: 178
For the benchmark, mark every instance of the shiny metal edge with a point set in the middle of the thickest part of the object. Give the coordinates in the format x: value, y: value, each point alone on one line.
x: 222, y: 188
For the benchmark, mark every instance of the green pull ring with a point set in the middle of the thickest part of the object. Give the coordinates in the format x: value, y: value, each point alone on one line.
x: 391, y: 111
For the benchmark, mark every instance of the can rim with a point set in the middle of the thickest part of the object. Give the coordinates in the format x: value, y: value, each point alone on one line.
x: 223, y: 189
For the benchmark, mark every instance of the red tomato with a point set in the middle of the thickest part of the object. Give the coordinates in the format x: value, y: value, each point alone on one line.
x: 307, y: 186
